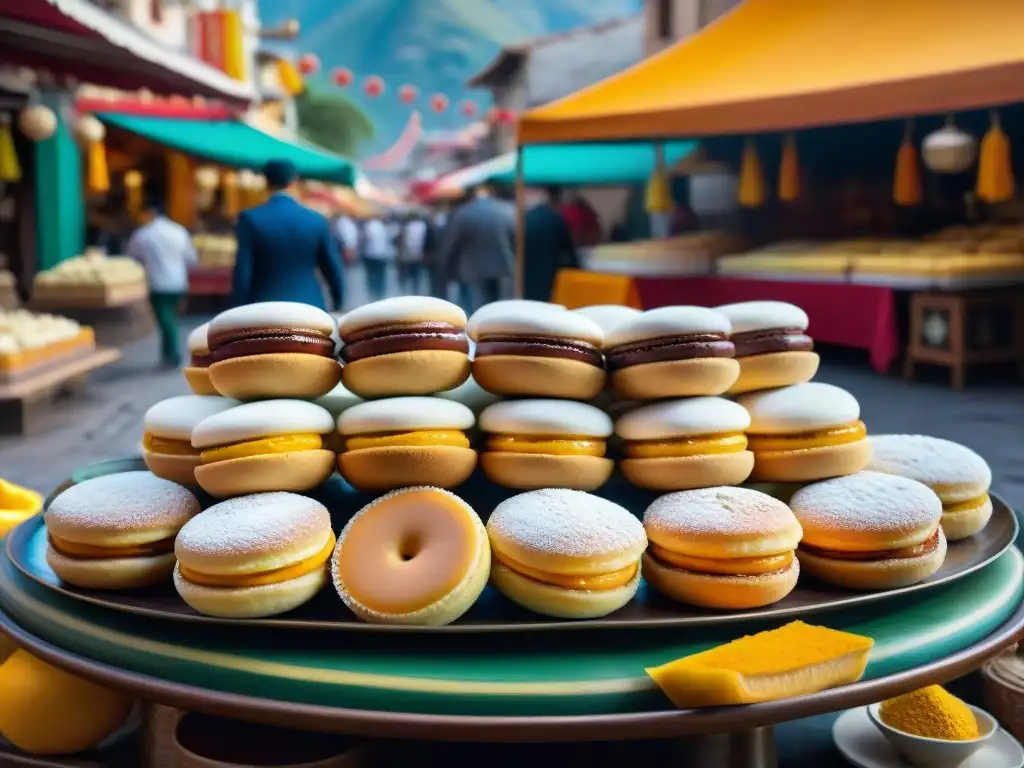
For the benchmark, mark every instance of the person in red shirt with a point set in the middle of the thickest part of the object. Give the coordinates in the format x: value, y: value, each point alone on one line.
x: 583, y: 221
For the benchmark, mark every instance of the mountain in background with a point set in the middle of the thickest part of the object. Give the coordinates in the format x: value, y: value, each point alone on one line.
x: 435, y: 45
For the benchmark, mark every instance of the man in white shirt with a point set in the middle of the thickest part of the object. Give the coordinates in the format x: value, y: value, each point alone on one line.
x: 165, y: 250
x: 378, y: 251
x: 412, y: 246
x: 347, y: 232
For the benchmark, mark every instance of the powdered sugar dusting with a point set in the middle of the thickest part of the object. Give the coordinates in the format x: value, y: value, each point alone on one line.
x: 247, y: 524
x: 122, y: 503
x: 870, y: 502
x: 567, y: 523
x: 929, y: 460
x: 721, y: 512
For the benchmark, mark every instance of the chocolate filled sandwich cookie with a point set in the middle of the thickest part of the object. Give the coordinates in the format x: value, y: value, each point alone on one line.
x: 772, y: 345
x: 407, y: 345
x: 273, y: 349
x: 197, y: 372
x: 538, y: 351
x: 671, y: 352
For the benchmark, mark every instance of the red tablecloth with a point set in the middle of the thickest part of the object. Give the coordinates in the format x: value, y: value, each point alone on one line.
x: 848, y: 315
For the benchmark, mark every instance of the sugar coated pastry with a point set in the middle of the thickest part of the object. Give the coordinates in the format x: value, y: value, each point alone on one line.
x: 671, y: 352
x: 957, y: 475
x: 502, y: 307
x: 414, y: 556
x: 565, y: 553
x: 870, y: 531
x: 721, y: 548
x: 675, y: 445
x: 608, y: 316
x: 254, y: 556
x: 273, y: 349
x: 406, y: 345
x: 167, y: 440
x: 471, y: 395
x: 538, y: 351
x: 271, y: 445
x: 546, y: 444
x: 117, y: 531
x: 772, y: 345
x: 805, y: 432
x: 196, y: 373
x: 404, y: 441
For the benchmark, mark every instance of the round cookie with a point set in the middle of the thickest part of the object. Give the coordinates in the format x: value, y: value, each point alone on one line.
x: 197, y: 372
x: 167, y: 441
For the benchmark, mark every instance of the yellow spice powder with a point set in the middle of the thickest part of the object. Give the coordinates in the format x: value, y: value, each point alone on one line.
x: 931, y: 712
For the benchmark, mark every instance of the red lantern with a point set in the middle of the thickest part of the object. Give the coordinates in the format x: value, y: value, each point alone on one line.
x: 469, y: 109
x: 309, y: 64
x: 342, y: 77
x: 506, y: 116
x: 373, y: 86
x: 408, y: 94
x: 439, y: 102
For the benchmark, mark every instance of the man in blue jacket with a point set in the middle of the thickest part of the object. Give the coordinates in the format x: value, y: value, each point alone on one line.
x: 282, y: 244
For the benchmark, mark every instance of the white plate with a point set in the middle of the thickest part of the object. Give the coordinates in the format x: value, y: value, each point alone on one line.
x: 860, y: 742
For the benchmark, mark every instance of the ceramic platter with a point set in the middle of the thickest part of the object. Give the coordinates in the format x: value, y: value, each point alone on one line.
x: 26, y: 547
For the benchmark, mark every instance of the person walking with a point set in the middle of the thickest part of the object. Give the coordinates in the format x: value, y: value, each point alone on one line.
x: 436, y: 271
x: 411, y: 252
x: 165, y: 250
x: 549, y: 246
x: 378, y: 251
x: 281, y: 246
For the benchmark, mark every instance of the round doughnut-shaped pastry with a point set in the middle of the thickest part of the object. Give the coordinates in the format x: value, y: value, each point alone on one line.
x: 671, y: 352
x: 414, y: 556
x: 254, y: 556
x: 565, y: 553
x: 538, y: 351
x: 676, y: 445
x: 117, y: 531
x: 405, y: 345
x: 271, y: 445
x: 608, y: 316
x: 870, y: 531
x: 721, y: 548
x: 804, y: 433
x: 501, y: 307
x: 273, y: 349
x: 405, y: 441
x: 772, y: 345
x: 196, y: 373
x: 957, y: 475
x: 167, y: 440
x: 532, y: 444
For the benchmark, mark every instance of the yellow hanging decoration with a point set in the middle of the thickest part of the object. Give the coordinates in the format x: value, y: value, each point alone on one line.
x: 98, y: 175
x: 180, y: 190
x: 658, y: 198
x: 751, y: 191
x: 906, y: 185
x: 995, y: 166
x: 789, y: 171
x: 133, y: 193
x: 290, y: 78
x: 10, y: 168
x: 234, y: 45
x: 229, y: 189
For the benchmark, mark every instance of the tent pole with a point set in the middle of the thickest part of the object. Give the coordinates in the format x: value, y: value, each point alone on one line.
x: 520, y: 225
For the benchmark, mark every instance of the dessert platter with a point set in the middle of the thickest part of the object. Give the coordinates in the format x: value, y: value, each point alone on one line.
x: 361, y: 526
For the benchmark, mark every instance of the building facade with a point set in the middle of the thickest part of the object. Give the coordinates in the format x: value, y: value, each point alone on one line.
x: 666, y: 21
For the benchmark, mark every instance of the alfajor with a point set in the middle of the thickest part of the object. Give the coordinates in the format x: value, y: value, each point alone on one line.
x: 772, y: 345
x: 671, y: 352
x: 254, y: 556
x: 273, y: 349
x: 272, y: 445
x: 608, y: 316
x: 167, y: 440
x: 414, y: 556
x: 565, y: 553
x: 117, y: 531
x: 405, y: 441
x: 721, y: 548
x: 406, y: 345
x: 870, y: 531
x: 538, y: 351
x: 196, y: 372
x: 957, y: 475
x: 805, y: 432
x: 675, y: 445
x: 546, y: 444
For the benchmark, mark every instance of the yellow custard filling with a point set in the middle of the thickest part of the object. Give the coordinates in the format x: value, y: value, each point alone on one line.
x: 740, y: 566
x: 568, y: 445
x: 598, y: 583
x: 163, y: 445
x: 276, y: 576
x: 965, y: 506
x: 280, y: 444
x: 416, y: 439
x: 701, y: 445
x: 91, y: 552
x: 802, y: 441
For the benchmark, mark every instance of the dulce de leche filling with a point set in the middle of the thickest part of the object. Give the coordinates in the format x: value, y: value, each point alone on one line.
x: 740, y: 566
x: 771, y: 340
x: 93, y: 552
x: 276, y: 576
x: 453, y: 438
x: 683, y: 447
x: 803, y: 441
x: 167, y: 446
x: 560, y: 445
x: 601, y: 582
x: 245, y: 342
x: 403, y: 337
x: 670, y: 348
x: 540, y: 346
x: 902, y: 553
x: 262, y: 447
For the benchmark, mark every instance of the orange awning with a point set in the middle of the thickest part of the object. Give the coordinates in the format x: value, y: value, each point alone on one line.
x: 772, y: 65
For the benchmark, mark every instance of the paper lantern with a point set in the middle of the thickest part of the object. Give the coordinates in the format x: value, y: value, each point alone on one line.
x: 468, y: 108
x: 506, y: 116
x: 88, y: 129
x: 408, y: 94
x: 309, y: 64
x: 949, y: 150
x: 342, y: 77
x: 439, y: 102
x: 373, y: 86
x: 37, y: 122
